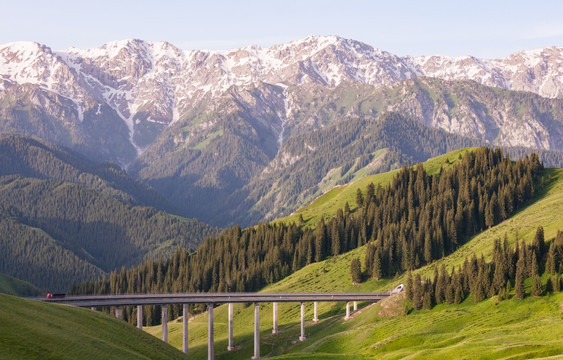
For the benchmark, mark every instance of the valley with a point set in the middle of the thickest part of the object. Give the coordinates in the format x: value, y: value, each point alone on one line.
x: 315, y: 165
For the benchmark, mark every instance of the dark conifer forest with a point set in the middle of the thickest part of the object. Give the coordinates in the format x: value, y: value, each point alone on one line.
x: 507, y: 270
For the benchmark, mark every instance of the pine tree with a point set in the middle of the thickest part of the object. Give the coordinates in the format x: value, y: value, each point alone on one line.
x: 479, y: 291
x: 458, y: 289
x: 519, y: 284
x: 335, y: 240
x: 359, y: 198
x: 534, y: 268
x: 427, y: 302
x: 441, y: 283
x: 427, y: 248
x: 409, y: 286
x: 450, y: 290
x: 377, y: 270
x: 356, y: 270
x: 539, y: 242
x: 550, y: 263
x: 320, y: 238
x: 556, y: 283
x: 417, y: 293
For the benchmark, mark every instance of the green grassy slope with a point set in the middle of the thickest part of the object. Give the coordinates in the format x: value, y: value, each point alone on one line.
x: 334, y: 199
x: 35, y: 330
x: 512, y: 328
x: 13, y: 286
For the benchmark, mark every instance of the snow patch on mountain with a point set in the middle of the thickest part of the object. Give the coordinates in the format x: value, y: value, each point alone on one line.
x: 156, y: 83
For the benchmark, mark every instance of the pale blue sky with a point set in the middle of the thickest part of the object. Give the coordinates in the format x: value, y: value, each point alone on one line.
x: 482, y: 28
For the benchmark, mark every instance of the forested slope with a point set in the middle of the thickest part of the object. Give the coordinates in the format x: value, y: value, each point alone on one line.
x: 415, y: 220
x: 54, y: 233
x: 35, y: 158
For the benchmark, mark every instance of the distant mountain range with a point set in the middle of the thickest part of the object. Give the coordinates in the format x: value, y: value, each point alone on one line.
x: 251, y: 134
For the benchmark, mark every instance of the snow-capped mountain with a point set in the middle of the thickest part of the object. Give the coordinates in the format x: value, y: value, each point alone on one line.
x: 248, y: 134
x: 150, y: 85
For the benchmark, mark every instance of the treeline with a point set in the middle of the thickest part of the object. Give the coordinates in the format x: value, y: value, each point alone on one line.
x: 507, y: 270
x: 415, y: 220
x: 53, y: 224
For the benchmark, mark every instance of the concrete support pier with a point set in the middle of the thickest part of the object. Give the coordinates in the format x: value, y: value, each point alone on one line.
x: 185, y: 328
x: 302, y: 337
x: 315, y: 312
x: 165, y: 323
x: 275, y: 312
x: 230, y: 346
x: 140, y: 316
x: 93, y: 308
x: 256, y: 331
x: 347, y: 310
x: 119, y: 312
x: 210, y: 353
x: 355, y: 306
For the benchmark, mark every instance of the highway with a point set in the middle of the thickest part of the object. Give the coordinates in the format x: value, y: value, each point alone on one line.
x: 212, y: 298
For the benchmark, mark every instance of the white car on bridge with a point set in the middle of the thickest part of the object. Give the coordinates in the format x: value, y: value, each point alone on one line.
x: 398, y: 289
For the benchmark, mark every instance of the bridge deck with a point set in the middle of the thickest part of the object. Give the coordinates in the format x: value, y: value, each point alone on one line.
x: 212, y: 298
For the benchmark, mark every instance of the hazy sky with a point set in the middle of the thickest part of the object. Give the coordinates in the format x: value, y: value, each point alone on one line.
x: 420, y: 27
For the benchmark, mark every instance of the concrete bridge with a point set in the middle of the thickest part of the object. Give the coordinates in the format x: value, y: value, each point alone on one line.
x: 212, y: 299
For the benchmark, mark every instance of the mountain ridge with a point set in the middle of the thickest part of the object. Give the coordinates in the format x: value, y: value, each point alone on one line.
x: 125, y: 75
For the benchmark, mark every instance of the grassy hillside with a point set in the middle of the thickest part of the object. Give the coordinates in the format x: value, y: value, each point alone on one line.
x: 474, y: 330
x: 13, y: 286
x: 35, y: 330
x: 327, y: 204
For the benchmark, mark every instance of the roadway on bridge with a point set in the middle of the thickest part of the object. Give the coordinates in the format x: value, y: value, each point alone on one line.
x: 212, y: 298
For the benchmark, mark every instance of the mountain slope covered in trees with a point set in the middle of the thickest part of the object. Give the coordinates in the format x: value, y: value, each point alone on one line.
x: 54, y: 232
x: 36, y: 158
x: 64, y: 218
x: 415, y: 220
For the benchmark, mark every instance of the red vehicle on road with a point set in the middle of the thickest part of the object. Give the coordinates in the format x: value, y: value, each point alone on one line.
x: 55, y: 296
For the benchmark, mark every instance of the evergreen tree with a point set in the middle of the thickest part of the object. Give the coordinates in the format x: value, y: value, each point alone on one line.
x: 356, y: 270
x: 441, y: 283
x: 479, y: 291
x: 320, y: 238
x: 335, y: 240
x: 427, y: 248
x: 550, y: 263
x: 427, y: 301
x: 539, y: 241
x: 409, y: 286
x: 519, y: 284
x: 359, y: 198
x: 417, y: 292
x: 377, y: 269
